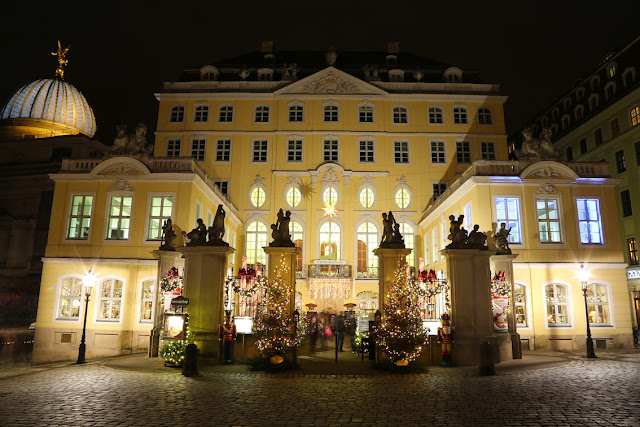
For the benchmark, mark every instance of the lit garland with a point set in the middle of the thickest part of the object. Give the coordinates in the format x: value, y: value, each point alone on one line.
x: 274, y: 327
x: 401, y: 334
x: 331, y: 288
x: 173, y: 351
x: 255, y: 284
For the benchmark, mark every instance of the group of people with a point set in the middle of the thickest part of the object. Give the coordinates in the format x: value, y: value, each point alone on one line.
x: 325, y: 326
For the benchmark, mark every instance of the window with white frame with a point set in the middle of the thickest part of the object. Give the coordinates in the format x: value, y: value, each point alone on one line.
x: 401, y: 151
x: 406, y: 230
x: 598, y: 304
x: 508, y: 212
x: 520, y: 298
x: 296, y: 113
x: 223, y: 150
x: 367, y: 197
x: 257, y: 197
x: 70, y: 299
x: 427, y: 250
x: 201, y: 113
x: 366, y: 153
x: 198, y: 149
x: 160, y: 210
x: 146, y: 301
x: 198, y: 212
x: 80, y: 217
x: 436, y: 116
x: 225, y: 115
x: 260, y: 151
x: 293, y: 197
x: 330, y: 150
x: 460, y: 116
x: 488, y: 150
x: 119, y: 220
x: 438, y: 188
x: 330, y: 196
x: 434, y: 243
x: 173, y: 147
x: 437, y: 152
x: 330, y: 113
x: 443, y: 237
x: 223, y: 185
x: 463, y: 152
x: 110, y: 296
x: 330, y: 237
x: 367, y: 241
x: 484, y: 116
x: 297, y: 235
x: 294, y: 150
x: 256, y: 240
x: 403, y: 198
x: 468, y: 216
x: 365, y: 114
x: 400, y: 115
x: 262, y: 114
x: 589, y: 221
x: 177, y: 114
x: 557, y: 305
x: 548, y: 214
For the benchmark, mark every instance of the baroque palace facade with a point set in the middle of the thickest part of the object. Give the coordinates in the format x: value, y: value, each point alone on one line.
x: 337, y: 139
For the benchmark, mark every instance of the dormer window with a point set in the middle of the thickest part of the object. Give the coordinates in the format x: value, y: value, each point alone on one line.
x: 611, y: 70
x: 610, y: 90
x: 579, y: 112
x: 595, y: 83
x: 566, y: 121
x: 545, y: 122
x: 554, y: 113
x: 396, y: 75
x: 593, y: 101
x: 209, y: 72
x: 269, y: 59
x: 629, y: 76
x: 265, y: 74
x: 567, y: 104
x: 580, y: 94
x: 392, y: 60
x: 452, y: 74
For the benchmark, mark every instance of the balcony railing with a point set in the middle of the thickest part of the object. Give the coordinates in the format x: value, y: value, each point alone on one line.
x: 367, y: 273
x: 329, y: 270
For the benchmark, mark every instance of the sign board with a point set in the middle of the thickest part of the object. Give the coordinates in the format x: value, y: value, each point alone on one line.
x: 180, y: 300
x: 363, y: 324
x: 431, y: 326
x: 174, y: 327
x: 633, y: 274
x: 244, y: 324
x: 329, y: 261
x: 500, y: 306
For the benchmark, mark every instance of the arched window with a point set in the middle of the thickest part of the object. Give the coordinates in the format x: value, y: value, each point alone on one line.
x: 598, y: 304
x: 330, y: 196
x: 407, y: 232
x: 69, y: 299
x: 367, y: 238
x: 403, y: 198
x: 146, y: 301
x: 297, y: 235
x: 177, y: 114
x: 557, y: 304
x: 256, y: 240
x: 521, y: 312
x: 296, y: 111
x: 367, y: 197
x: 293, y: 197
x: 367, y: 304
x: 330, y: 241
x: 110, y: 299
x: 257, y: 197
x: 365, y: 112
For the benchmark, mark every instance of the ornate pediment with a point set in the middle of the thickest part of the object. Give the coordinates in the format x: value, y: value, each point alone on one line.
x: 547, y: 189
x: 121, y: 185
x: 121, y: 166
x: 548, y: 170
x: 331, y: 81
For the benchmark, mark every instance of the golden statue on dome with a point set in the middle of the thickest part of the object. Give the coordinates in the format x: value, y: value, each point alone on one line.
x: 62, y: 60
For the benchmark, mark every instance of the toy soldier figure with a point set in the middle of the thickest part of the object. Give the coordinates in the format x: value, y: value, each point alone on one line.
x: 227, y: 333
x: 445, y: 337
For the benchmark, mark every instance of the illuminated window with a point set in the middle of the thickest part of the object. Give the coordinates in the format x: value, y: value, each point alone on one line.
x: 598, y: 305
x: 366, y: 152
x: 260, y: 151
x: 256, y: 240
x: 367, y: 304
x: 367, y: 238
x: 508, y: 212
x: 557, y: 305
x: 407, y: 232
x: 548, y: 214
x: 69, y: 300
x: 401, y: 151
x: 330, y: 241
x: 403, y: 198
x: 146, y: 301
x: 257, y: 196
x: 437, y: 152
x: 297, y: 236
x: 463, y: 152
x: 634, y: 113
x: 367, y: 197
x: 296, y: 113
x: 173, y: 147
x: 119, y: 220
x: 330, y: 113
x: 365, y: 114
x: 612, y: 71
x: 484, y: 116
x: 201, y: 113
x: 488, y: 150
x: 330, y: 196
x: 294, y: 197
x: 159, y: 211
x: 589, y: 221
x: 80, y: 218
x: 226, y: 114
x: 262, y: 114
x: 435, y: 115
x: 330, y: 152
x: 177, y: 114
x: 460, y: 116
x: 294, y: 150
x: 223, y: 150
x: 520, y: 297
x: 110, y: 296
x: 632, y: 247
x: 400, y: 115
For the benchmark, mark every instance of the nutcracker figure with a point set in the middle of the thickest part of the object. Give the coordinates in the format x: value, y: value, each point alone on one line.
x: 445, y: 337
x: 227, y: 333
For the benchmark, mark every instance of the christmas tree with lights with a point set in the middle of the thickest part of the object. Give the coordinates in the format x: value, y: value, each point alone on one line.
x: 401, y: 334
x: 274, y: 327
x: 173, y: 350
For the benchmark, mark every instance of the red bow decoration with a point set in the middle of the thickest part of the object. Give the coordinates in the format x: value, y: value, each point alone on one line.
x: 173, y: 273
x: 432, y: 276
x: 242, y: 272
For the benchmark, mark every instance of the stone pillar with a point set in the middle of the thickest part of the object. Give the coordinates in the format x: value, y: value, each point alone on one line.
x: 505, y: 263
x: 166, y: 260
x: 274, y: 255
x: 387, y: 261
x: 469, y: 277
x: 205, y: 272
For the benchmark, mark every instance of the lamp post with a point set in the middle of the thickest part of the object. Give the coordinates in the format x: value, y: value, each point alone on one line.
x: 583, y: 276
x: 87, y: 281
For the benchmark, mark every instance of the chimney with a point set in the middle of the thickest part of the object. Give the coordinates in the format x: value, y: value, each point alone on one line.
x: 266, y: 47
x: 393, y: 48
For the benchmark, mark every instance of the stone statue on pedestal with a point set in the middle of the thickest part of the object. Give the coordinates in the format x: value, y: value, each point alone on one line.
x: 391, y: 236
x: 501, y: 239
x: 281, y: 234
x: 131, y: 144
x: 216, y: 231
x: 457, y: 233
x: 477, y: 239
x: 197, y: 236
x: 168, y: 236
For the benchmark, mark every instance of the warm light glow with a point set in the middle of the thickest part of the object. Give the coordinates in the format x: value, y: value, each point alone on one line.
x: 330, y: 209
x: 583, y: 275
x: 89, y: 279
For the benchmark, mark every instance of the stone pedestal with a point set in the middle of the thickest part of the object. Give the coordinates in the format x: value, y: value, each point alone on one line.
x: 505, y: 263
x: 387, y: 262
x: 469, y: 277
x: 274, y: 257
x: 205, y: 272
x: 166, y: 260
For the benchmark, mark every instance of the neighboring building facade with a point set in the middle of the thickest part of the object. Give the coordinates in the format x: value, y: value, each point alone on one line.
x: 597, y: 121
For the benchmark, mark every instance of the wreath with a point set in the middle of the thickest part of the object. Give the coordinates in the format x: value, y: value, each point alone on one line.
x: 171, y: 281
x: 254, y: 286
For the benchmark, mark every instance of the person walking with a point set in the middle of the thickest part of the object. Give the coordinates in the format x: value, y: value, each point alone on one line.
x: 321, y: 334
x: 313, y: 332
x: 351, y: 331
x: 340, y: 330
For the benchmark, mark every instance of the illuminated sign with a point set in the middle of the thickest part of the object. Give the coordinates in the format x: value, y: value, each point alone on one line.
x: 174, y: 326
x: 244, y: 324
x: 633, y: 274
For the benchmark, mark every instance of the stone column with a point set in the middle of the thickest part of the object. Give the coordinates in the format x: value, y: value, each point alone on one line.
x: 387, y: 261
x: 274, y: 257
x: 505, y: 263
x: 166, y: 260
x: 205, y: 272
x: 469, y: 277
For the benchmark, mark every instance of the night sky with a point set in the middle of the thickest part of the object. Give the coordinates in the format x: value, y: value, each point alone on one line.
x: 120, y: 55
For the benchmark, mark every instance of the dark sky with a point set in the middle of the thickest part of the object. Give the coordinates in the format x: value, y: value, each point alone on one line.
x: 121, y: 54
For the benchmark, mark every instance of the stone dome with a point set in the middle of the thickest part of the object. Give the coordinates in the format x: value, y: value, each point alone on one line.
x: 52, y: 100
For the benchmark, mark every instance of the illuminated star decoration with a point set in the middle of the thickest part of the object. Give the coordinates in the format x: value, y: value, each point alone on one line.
x: 330, y: 209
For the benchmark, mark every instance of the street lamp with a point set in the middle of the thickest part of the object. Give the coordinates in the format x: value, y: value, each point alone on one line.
x: 583, y: 276
x: 88, y: 281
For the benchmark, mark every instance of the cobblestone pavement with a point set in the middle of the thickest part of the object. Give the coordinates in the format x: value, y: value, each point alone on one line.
x: 604, y: 391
